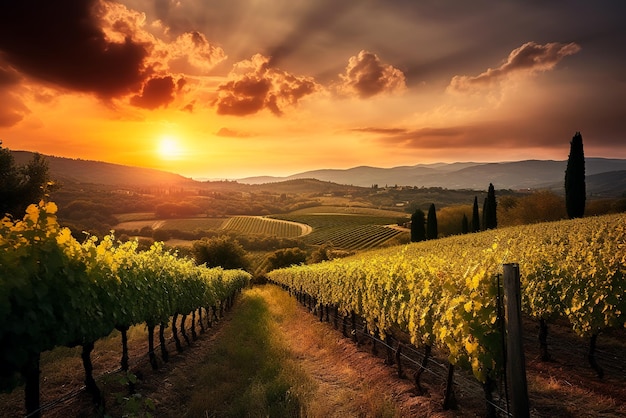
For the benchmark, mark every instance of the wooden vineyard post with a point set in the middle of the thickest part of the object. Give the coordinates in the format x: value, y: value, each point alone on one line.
x: 515, y: 362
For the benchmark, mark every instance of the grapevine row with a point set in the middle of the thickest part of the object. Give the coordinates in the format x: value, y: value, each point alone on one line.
x: 443, y: 292
x: 265, y: 226
x: 55, y: 291
x: 360, y: 237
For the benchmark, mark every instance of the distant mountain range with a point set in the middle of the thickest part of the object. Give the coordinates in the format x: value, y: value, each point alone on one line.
x: 605, y: 177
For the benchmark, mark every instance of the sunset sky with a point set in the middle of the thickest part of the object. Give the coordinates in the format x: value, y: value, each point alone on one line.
x: 236, y: 88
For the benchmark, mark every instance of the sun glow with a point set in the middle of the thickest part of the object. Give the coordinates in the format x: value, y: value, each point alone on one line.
x: 169, y: 148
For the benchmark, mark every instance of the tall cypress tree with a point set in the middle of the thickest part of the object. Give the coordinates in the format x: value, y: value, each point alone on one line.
x: 431, y: 223
x: 484, y: 220
x: 575, y: 190
x: 491, y: 219
x: 418, y: 228
x: 475, y: 216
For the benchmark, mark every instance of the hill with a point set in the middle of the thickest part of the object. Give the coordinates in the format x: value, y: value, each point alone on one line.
x: 96, y: 172
x: 610, y: 184
x: 605, y: 177
x: 516, y: 175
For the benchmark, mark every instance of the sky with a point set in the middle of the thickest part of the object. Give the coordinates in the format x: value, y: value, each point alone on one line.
x: 231, y: 89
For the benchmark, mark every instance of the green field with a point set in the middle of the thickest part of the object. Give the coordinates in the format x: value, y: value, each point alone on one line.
x: 350, y: 210
x: 256, y: 225
x: 350, y: 228
x: 185, y: 224
x: 347, y: 231
x: 134, y: 216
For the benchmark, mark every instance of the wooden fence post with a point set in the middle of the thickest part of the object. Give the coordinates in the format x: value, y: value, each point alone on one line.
x: 515, y: 362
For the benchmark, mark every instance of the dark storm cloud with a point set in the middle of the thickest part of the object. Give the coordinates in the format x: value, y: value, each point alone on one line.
x: 254, y: 85
x: 157, y: 92
x: 61, y: 42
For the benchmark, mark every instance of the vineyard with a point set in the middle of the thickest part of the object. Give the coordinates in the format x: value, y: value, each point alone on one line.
x: 55, y: 291
x: 347, y: 231
x: 185, y: 224
x: 255, y: 225
x: 571, y: 270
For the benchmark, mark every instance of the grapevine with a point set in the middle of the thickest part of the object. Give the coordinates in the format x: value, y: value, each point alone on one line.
x: 55, y: 291
x: 443, y: 292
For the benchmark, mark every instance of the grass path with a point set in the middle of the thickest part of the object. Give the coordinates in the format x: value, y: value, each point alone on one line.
x: 272, y: 358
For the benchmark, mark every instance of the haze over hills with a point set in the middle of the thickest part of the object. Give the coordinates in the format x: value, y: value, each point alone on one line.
x: 529, y: 174
x: 605, y: 177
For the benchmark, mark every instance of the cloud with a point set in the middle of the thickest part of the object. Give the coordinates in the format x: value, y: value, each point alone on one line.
x: 231, y: 133
x: 445, y: 137
x: 475, y: 138
x: 528, y: 59
x: 195, y: 49
x: 61, y: 42
x: 99, y: 47
x: 188, y: 52
x: 12, y: 109
x: 367, y: 76
x: 382, y: 131
x: 8, y: 76
x: 253, y: 85
x: 156, y: 92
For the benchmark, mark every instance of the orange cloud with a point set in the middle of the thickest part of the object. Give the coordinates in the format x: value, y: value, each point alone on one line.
x: 189, y: 52
x: 98, y: 47
x: 231, y: 133
x: 528, y: 59
x: 156, y: 92
x: 366, y: 75
x: 253, y: 85
x: 12, y: 109
x: 196, y: 51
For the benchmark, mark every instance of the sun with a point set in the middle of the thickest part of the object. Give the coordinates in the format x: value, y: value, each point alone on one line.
x: 169, y: 148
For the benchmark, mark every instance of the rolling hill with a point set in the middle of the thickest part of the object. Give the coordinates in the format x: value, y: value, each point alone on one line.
x: 96, y: 172
x: 529, y: 174
x: 605, y: 177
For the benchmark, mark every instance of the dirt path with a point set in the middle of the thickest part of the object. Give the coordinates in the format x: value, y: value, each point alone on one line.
x: 349, y: 382
x: 346, y: 381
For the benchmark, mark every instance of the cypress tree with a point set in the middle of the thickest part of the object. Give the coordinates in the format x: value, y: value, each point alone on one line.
x: 575, y: 190
x: 464, y: 225
x: 484, y: 220
x: 491, y: 219
x: 475, y: 216
x: 418, y: 229
x: 431, y: 223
